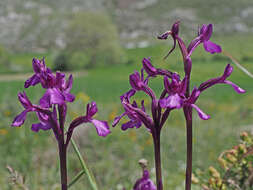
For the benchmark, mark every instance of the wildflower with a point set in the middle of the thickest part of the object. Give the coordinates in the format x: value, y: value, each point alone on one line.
x: 42, y: 75
x: 3, y: 131
x: 101, y: 126
x: 204, y: 36
x: 42, y: 113
x: 52, y: 110
x: 176, y: 91
x: 58, y: 89
x: 144, y: 183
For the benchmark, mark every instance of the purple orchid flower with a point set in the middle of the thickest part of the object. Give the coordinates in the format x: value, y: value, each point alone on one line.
x: 144, y: 183
x: 48, y: 119
x: 42, y: 75
x: 59, y: 93
x: 204, y: 36
x: 58, y: 89
x: 135, y: 121
x: 101, y: 126
x: 176, y: 90
x: 136, y: 115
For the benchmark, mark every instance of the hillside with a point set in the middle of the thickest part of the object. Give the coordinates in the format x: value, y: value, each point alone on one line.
x: 36, y: 25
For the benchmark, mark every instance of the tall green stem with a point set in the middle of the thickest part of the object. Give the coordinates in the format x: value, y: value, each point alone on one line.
x: 84, y: 166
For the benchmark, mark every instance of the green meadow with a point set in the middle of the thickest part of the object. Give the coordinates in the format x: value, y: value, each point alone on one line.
x: 114, y: 159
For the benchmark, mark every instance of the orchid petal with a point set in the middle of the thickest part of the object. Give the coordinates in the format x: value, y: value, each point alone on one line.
x: 36, y: 65
x: 201, y: 114
x: 236, y: 88
x: 192, y: 46
x: 138, y: 114
x: 166, y: 83
x: 68, y: 97
x: 212, y: 47
x: 202, y: 29
x: 135, y: 81
x: 40, y: 126
x: 45, y: 100
x: 194, y: 95
x: 164, y: 36
x: 128, y: 95
x: 60, y: 79
x: 117, y: 119
x: 32, y: 81
x: 42, y: 117
x: 131, y: 124
x: 227, y: 72
x: 175, y: 28
x: 24, y: 100
x: 207, y: 32
x: 91, y: 109
x: 69, y: 83
x: 172, y: 101
x: 152, y: 71
x: 102, y: 127
x: 52, y: 96
x: 20, y: 119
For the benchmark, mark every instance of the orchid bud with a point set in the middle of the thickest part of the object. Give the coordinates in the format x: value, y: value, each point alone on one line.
x: 135, y: 81
x: 152, y: 71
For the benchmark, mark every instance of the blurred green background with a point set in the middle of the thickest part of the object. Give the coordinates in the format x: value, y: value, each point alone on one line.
x: 101, y: 42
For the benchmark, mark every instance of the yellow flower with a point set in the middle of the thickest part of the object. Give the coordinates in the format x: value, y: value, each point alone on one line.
x: 132, y: 135
x: 3, y: 131
x: 83, y: 97
x: 7, y: 113
x: 149, y: 141
x: 113, y: 114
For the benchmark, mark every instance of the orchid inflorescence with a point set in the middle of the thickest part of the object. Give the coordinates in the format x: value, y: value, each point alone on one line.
x: 55, y: 98
x: 175, y: 95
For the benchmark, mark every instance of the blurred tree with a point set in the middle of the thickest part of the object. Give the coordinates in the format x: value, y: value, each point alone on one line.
x: 91, y: 40
x: 61, y: 62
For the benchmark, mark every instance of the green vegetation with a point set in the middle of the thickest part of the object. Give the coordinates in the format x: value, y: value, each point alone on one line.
x: 4, y: 59
x: 89, y: 44
x: 114, y: 159
x: 235, y: 171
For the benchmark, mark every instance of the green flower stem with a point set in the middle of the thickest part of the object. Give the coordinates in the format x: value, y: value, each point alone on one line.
x: 85, y: 167
x: 76, y: 178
